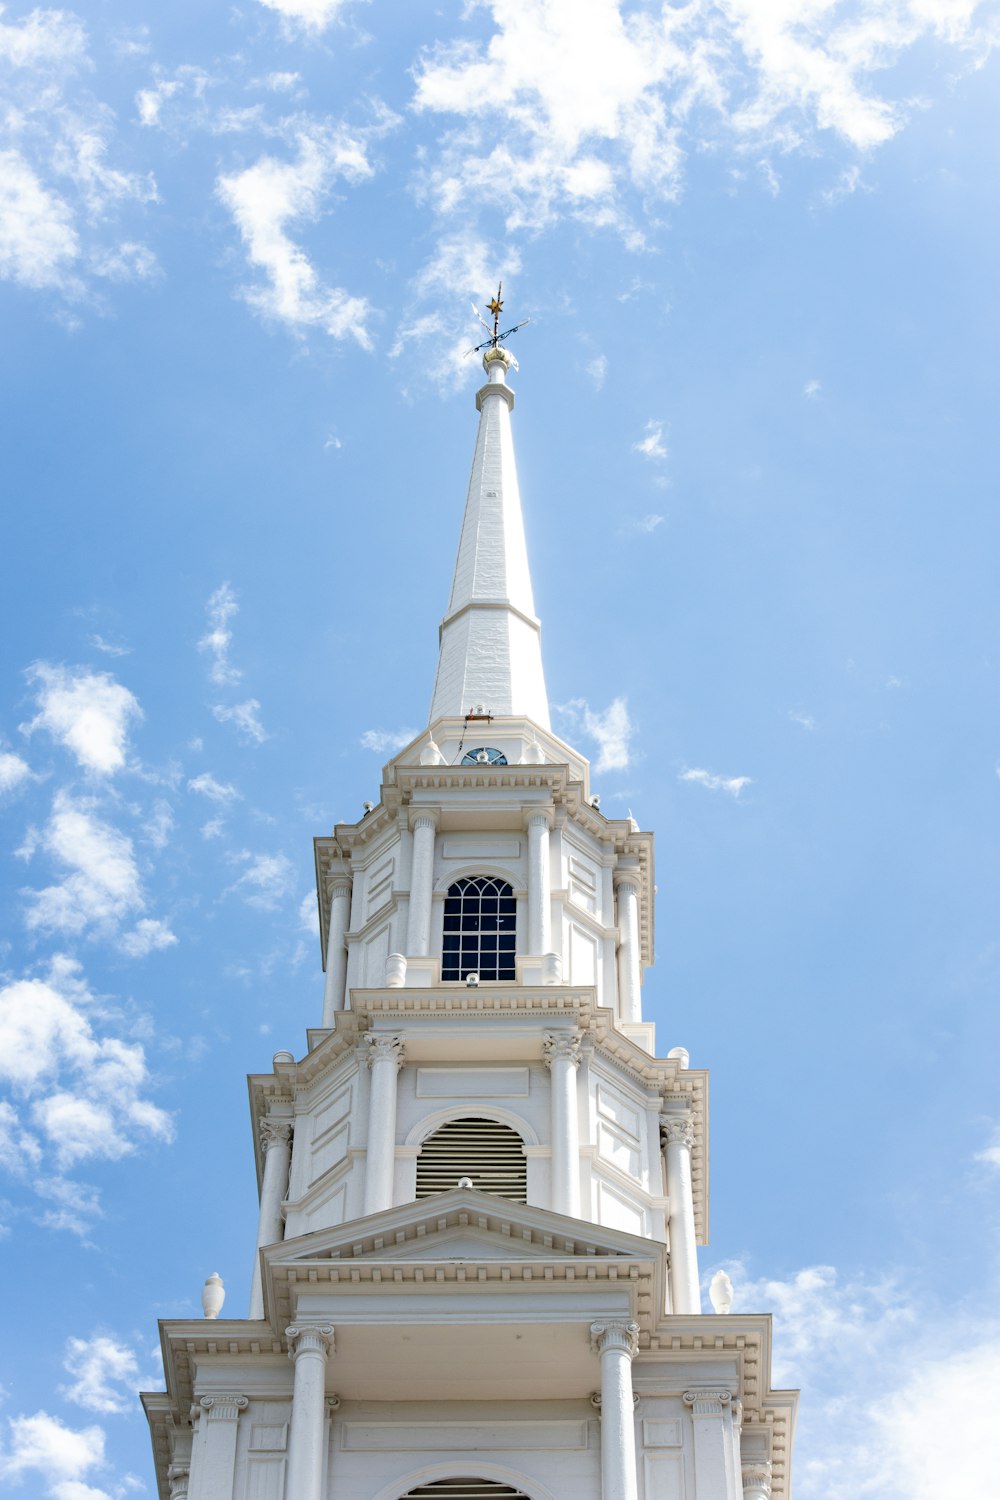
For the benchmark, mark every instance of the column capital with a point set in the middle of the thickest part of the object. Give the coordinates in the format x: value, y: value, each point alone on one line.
x: 423, y: 817
x: 561, y: 1044
x: 677, y: 1128
x: 629, y: 876
x: 338, y: 883
x: 616, y: 1334
x: 597, y: 1400
x: 709, y: 1401
x: 539, y: 817
x: 274, y: 1132
x: 223, y: 1408
x: 383, y: 1047
x: 178, y: 1478
x: 757, y: 1479
x: 310, y: 1338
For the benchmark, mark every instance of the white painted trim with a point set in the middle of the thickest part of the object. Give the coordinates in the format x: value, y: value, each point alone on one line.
x: 429, y: 1473
x: 460, y: 1111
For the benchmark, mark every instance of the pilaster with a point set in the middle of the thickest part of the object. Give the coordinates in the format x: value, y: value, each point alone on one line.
x: 562, y: 1058
x: 715, y: 1476
x: 213, y: 1465
x: 385, y: 1054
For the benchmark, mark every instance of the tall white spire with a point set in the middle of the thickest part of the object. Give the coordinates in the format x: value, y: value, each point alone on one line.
x: 491, y: 652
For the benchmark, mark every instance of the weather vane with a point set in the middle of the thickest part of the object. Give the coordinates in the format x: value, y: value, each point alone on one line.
x: 495, y: 336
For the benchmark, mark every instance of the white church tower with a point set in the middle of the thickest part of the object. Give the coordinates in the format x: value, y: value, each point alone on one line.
x: 481, y: 1190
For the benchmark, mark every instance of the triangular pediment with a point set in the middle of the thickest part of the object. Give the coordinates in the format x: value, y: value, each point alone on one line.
x: 461, y: 1225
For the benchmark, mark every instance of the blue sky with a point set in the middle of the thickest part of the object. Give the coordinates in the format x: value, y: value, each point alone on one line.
x: 756, y: 442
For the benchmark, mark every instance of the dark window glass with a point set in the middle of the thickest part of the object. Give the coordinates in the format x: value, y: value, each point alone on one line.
x: 479, y: 925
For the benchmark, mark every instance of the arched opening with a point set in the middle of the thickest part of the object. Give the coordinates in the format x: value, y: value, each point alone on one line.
x: 488, y: 1152
x: 479, y: 929
x: 465, y: 1489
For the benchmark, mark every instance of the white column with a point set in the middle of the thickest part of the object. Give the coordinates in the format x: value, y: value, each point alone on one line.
x: 539, y: 885
x: 629, y: 978
x: 335, y: 990
x: 562, y: 1057
x: 714, y: 1474
x: 756, y: 1479
x: 179, y: 1471
x: 214, y: 1458
x: 418, y: 927
x: 385, y: 1058
x: 276, y: 1140
x: 677, y: 1131
x: 616, y: 1343
x: 178, y: 1476
x: 309, y: 1348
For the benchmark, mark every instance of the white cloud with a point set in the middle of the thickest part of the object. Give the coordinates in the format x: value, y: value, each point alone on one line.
x: 77, y: 1205
x: 38, y: 241
x: 381, y: 740
x: 309, y: 15
x: 899, y: 1391
x: 108, y: 647
x: 811, y: 389
x: 268, y: 880
x: 990, y: 1155
x: 44, y: 39
x: 272, y: 195
x: 731, y: 784
x: 246, y: 718
x: 43, y: 1445
x: 281, y: 83
x: 88, y: 712
x: 104, y: 1374
x: 216, y: 791
x: 61, y: 193
x: 597, y: 369
x: 103, y: 885
x: 14, y: 771
x: 159, y: 825
x: 646, y: 525
x: 604, y: 137
x: 309, y: 914
x: 19, y: 1149
x: 652, y: 445
x: 805, y: 720
x: 127, y: 261
x: 85, y: 1090
x: 221, y: 608
x: 213, y: 829
x: 81, y: 154
x: 611, y: 730
x: 149, y: 935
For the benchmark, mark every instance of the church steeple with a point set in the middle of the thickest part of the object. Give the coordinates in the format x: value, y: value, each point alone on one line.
x: 491, y: 651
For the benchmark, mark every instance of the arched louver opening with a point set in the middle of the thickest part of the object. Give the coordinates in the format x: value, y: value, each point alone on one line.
x: 488, y: 1152
x: 479, y: 929
x: 465, y: 1489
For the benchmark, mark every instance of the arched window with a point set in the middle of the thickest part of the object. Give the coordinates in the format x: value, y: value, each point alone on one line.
x: 487, y: 1151
x: 465, y: 1489
x: 479, y: 929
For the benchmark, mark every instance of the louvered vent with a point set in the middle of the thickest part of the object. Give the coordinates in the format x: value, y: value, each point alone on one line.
x: 490, y: 1153
x: 466, y: 1489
